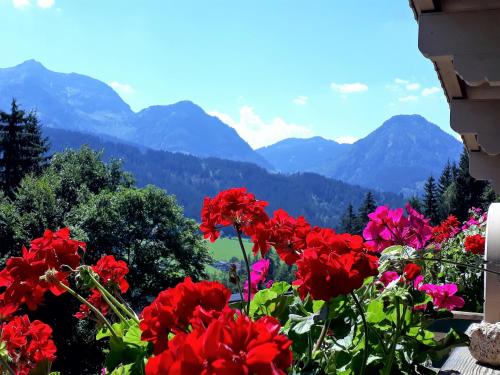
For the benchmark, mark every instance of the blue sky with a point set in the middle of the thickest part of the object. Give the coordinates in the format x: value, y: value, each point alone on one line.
x: 270, y: 68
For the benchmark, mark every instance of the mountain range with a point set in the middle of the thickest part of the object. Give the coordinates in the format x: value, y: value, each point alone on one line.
x: 398, y: 156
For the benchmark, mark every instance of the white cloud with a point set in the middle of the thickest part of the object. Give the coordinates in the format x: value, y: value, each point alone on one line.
x: 257, y: 132
x: 300, y: 100
x: 409, y: 98
x: 348, y: 88
x: 21, y: 4
x: 430, y: 90
x: 399, y: 81
x: 412, y: 86
x: 122, y: 88
x: 346, y: 139
x: 45, y: 3
x: 24, y: 4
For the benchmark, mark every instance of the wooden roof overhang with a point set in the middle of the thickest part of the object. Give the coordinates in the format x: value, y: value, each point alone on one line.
x: 462, y: 39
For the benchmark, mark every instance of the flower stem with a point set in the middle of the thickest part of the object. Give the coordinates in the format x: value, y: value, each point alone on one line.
x: 388, y: 368
x: 324, y: 330
x: 247, y: 263
x: 90, y: 306
x: 365, y: 328
x: 112, y: 300
x: 5, y: 365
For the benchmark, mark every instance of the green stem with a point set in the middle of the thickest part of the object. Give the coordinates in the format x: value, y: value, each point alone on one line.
x: 365, y: 329
x: 112, y: 299
x: 6, y: 366
x: 90, y: 306
x: 247, y: 263
x: 388, y: 368
x: 324, y: 330
x: 115, y: 310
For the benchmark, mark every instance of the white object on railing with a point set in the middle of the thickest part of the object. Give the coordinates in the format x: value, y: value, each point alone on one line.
x: 492, y: 255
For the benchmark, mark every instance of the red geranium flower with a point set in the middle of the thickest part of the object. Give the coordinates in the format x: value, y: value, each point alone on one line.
x: 475, y: 244
x: 411, y: 271
x: 333, y: 265
x: 227, y: 346
x: 97, y: 301
x: 447, y: 229
x: 174, y: 309
x: 233, y: 207
x: 27, y: 343
x: 112, y: 272
x: 286, y: 234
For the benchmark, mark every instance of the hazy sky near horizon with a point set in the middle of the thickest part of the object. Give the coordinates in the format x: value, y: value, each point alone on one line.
x: 270, y: 68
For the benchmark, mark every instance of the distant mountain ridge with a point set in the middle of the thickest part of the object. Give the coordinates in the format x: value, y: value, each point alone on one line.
x: 80, y: 103
x: 398, y: 156
x: 320, y: 199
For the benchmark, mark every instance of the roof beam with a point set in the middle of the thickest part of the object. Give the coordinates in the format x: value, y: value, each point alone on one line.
x: 480, y: 117
x: 470, y: 38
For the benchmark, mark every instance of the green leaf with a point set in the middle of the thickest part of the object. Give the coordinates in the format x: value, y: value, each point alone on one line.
x: 303, y: 323
x: 133, y: 336
x: 280, y: 287
x: 123, y: 370
x: 375, y: 312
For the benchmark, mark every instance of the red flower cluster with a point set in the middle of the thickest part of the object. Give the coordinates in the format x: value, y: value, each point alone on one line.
x: 27, y: 343
x: 286, y: 234
x: 233, y: 207
x: 175, y: 309
x: 449, y: 228
x: 475, y: 244
x: 21, y: 276
x: 112, y: 273
x: 227, y: 346
x: 333, y: 264
x: 411, y: 271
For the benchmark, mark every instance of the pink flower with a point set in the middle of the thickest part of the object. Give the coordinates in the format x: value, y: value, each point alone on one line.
x: 443, y: 296
x: 258, y: 275
x: 388, y: 277
x: 390, y: 227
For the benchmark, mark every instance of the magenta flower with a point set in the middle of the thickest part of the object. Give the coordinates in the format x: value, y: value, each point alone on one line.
x: 443, y: 296
x: 390, y: 227
x: 258, y: 275
x: 388, y: 277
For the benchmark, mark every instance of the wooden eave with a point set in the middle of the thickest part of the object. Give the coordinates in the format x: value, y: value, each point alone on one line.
x: 462, y: 39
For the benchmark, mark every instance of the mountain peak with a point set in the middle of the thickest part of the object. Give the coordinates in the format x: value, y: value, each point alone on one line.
x: 31, y: 64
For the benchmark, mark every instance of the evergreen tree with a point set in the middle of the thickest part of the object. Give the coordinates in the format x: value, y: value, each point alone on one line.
x: 430, y: 201
x: 446, y: 179
x: 367, y: 207
x: 348, y: 223
x: 22, y: 147
x: 415, y: 203
x: 466, y: 191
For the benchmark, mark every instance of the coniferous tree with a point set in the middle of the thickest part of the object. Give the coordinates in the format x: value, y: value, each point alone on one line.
x: 446, y: 179
x: 466, y: 191
x: 348, y: 223
x: 367, y: 207
x: 22, y: 147
x: 430, y: 201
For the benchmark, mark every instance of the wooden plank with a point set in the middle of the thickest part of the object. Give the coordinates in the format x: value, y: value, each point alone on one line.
x: 461, y: 362
x: 467, y: 315
x: 446, y: 71
x: 468, y: 5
